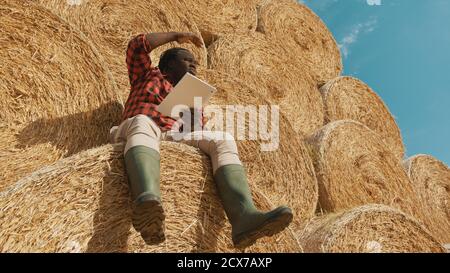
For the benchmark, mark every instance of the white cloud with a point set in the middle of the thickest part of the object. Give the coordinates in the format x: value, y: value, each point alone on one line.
x: 352, y: 37
x: 374, y: 2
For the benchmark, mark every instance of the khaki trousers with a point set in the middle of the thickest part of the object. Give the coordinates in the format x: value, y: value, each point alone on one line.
x: 142, y: 130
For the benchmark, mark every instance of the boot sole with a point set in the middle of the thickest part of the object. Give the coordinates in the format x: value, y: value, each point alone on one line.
x: 267, y: 229
x: 148, y: 219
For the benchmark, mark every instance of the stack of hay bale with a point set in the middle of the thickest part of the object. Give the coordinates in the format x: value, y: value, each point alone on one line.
x: 338, y: 164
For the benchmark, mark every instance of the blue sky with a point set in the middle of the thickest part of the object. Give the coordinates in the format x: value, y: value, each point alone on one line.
x: 401, y: 48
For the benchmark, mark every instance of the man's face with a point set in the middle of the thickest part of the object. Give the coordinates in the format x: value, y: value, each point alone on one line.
x: 184, y: 63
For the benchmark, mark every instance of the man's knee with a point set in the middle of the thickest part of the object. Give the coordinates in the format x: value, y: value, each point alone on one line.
x: 224, y: 143
x: 224, y: 151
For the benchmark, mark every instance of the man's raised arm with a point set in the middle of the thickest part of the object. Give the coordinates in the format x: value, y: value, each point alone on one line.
x: 138, y: 60
x: 161, y: 38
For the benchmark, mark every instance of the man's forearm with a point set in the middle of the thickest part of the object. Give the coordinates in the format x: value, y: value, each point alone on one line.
x: 158, y: 39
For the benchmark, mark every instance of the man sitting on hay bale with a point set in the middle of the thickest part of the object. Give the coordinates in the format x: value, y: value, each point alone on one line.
x: 143, y: 128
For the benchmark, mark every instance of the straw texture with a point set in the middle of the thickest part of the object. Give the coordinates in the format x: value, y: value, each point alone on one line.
x: 57, y: 95
x: 367, y: 229
x: 259, y: 62
x: 62, y: 86
x: 354, y: 167
x: 431, y: 179
x: 303, y: 35
x: 350, y: 98
x: 286, y: 174
x: 218, y: 17
x: 110, y: 24
x: 82, y: 204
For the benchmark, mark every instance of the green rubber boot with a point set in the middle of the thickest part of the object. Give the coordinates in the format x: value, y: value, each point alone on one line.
x: 248, y: 223
x: 142, y: 166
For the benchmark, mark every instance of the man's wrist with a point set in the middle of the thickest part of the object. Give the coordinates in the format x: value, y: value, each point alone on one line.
x: 175, y: 36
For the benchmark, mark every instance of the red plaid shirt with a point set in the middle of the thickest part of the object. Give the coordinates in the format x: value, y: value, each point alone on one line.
x: 148, y: 86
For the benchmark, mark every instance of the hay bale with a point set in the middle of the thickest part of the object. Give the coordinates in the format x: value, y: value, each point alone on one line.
x: 56, y: 94
x: 367, y: 229
x: 354, y: 167
x: 82, y: 204
x: 45, y: 62
x: 286, y: 173
x: 27, y: 148
x: 350, y: 98
x: 303, y: 35
x: 217, y: 17
x: 110, y: 24
x: 258, y: 62
x: 431, y: 179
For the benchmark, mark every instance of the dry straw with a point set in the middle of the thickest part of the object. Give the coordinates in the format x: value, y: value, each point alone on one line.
x: 303, y: 35
x: 259, y: 62
x: 350, y: 98
x: 57, y: 96
x: 110, y: 24
x: 44, y: 61
x: 217, y: 17
x: 431, y: 179
x: 354, y: 167
x: 82, y: 204
x: 367, y: 229
x: 286, y: 174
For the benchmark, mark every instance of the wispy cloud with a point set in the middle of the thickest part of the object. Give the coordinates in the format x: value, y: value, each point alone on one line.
x: 354, y: 34
x: 374, y: 2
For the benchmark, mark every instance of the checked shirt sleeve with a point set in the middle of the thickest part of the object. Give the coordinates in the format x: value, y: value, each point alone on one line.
x: 138, y: 61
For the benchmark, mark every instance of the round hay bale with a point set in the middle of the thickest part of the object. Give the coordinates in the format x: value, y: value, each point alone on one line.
x: 56, y: 94
x: 303, y: 35
x: 431, y: 179
x: 350, y: 98
x: 27, y: 148
x: 354, y: 167
x: 367, y: 229
x: 258, y: 62
x: 217, y: 17
x: 48, y: 68
x: 110, y: 24
x: 284, y: 172
x: 82, y: 204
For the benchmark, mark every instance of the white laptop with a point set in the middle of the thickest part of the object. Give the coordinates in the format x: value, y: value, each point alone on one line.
x: 184, y: 93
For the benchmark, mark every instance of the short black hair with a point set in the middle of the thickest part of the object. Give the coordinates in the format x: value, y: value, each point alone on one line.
x: 167, y: 56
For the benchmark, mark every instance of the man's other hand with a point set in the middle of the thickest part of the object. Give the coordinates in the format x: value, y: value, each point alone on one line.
x: 188, y: 37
